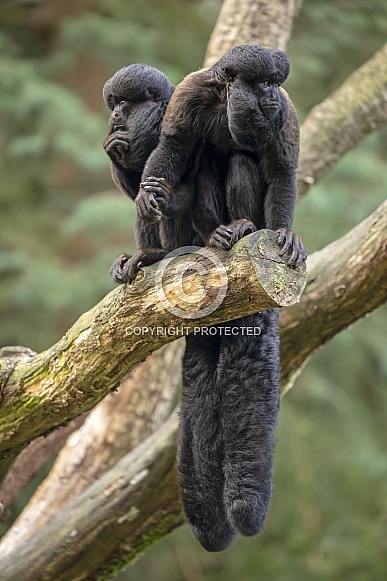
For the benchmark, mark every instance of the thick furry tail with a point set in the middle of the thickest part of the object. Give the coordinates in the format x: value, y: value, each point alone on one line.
x: 200, y: 450
x: 249, y: 377
x: 229, y: 415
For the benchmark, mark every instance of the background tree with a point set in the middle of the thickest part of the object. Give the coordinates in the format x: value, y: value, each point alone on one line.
x: 322, y: 506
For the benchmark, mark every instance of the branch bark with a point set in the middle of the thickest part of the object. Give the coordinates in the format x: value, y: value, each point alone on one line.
x: 340, y: 122
x: 248, y: 21
x: 114, y: 427
x: 113, y: 521
x: 30, y: 461
x: 339, y: 277
x: 346, y: 280
x: 90, y: 360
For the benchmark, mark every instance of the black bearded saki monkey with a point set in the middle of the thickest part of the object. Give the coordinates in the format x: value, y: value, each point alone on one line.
x: 246, y: 181
x: 137, y: 96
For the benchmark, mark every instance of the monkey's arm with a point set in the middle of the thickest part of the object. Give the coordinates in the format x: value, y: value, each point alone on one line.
x: 170, y: 201
x: 280, y: 165
x: 165, y: 167
x: 126, y: 180
x: 173, y: 160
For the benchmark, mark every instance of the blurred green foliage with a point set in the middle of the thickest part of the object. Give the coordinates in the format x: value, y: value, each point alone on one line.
x: 62, y: 222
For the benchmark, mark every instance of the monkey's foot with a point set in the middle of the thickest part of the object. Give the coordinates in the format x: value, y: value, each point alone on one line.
x: 292, y: 244
x: 226, y: 236
x: 125, y: 267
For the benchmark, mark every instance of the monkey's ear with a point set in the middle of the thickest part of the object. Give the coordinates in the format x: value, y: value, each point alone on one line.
x: 225, y: 74
x: 231, y: 73
x: 107, y: 95
x: 282, y: 64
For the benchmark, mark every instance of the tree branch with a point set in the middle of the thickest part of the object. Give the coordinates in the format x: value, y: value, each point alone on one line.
x: 90, y: 360
x: 30, y: 461
x: 346, y: 280
x: 340, y: 122
x: 338, y: 276
x: 248, y: 21
x: 113, y: 521
x: 114, y: 427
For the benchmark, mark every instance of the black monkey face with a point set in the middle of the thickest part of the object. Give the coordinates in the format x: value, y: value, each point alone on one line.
x: 269, y: 97
x: 137, y: 96
x: 118, y: 117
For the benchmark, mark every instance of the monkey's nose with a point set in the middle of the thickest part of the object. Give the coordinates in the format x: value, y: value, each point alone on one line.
x: 271, y: 96
x: 115, y: 115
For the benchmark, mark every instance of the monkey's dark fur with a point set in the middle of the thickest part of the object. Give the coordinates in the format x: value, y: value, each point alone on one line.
x: 246, y: 181
x: 137, y: 96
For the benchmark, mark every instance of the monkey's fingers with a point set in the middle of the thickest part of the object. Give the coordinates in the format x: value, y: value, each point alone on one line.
x: 281, y: 236
x: 242, y: 228
x: 147, y: 209
x: 155, y: 189
x: 285, y: 239
x: 116, y: 269
x: 295, y: 251
x: 302, y: 253
x: 157, y: 183
x: 163, y: 205
x: 131, y: 269
x: 222, y: 237
x: 113, y: 143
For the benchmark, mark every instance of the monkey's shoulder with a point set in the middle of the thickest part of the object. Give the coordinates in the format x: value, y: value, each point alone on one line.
x: 198, y: 97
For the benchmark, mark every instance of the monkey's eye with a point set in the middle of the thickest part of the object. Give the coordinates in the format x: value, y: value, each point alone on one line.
x: 277, y: 85
x: 265, y: 84
x: 122, y: 104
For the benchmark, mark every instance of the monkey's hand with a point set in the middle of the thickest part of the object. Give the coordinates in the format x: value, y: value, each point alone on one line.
x: 125, y: 267
x: 147, y: 206
x: 161, y: 190
x: 226, y: 236
x: 117, y: 147
x: 292, y: 244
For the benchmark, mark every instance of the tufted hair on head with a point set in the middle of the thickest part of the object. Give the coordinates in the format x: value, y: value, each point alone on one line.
x: 137, y: 83
x: 252, y: 62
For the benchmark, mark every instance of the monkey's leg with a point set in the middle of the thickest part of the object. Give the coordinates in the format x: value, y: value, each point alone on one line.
x: 249, y: 376
x: 178, y: 232
x: 200, y: 450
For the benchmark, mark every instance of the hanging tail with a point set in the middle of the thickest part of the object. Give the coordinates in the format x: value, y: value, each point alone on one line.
x: 200, y: 450
x: 249, y: 376
x: 227, y: 435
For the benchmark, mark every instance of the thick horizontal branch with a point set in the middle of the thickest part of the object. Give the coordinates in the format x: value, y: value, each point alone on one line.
x: 130, y: 507
x: 338, y: 277
x: 340, y: 122
x: 346, y: 280
x: 115, y: 426
x: 59, y: 384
